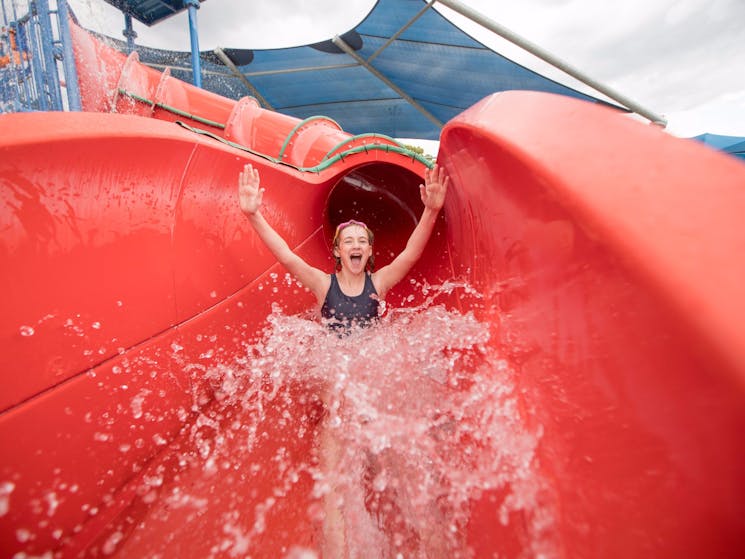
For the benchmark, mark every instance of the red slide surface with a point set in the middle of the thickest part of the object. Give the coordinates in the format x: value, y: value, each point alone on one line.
x: 599, y: 260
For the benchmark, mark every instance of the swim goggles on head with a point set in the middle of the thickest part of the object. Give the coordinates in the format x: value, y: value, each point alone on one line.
x: 342, y: 226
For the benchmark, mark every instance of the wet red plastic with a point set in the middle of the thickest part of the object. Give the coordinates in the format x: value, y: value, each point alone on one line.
x: 608, y: 252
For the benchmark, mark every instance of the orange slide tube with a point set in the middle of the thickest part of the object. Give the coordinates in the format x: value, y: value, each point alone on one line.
x: 606, y: 259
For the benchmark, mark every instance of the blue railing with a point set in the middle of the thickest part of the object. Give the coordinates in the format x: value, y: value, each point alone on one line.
x: 36, y: 59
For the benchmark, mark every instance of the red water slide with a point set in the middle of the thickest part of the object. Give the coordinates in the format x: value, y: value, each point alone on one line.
x: 608, y: 256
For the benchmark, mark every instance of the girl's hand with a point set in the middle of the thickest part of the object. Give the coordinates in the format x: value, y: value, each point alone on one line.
x: 434, y: 188
x: 250, y: 193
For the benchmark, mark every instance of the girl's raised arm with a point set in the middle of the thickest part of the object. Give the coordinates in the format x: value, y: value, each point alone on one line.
x: 250, y: 196
x: 433, y: 193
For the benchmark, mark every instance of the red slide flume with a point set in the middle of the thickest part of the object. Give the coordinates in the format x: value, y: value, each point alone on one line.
x: 562, y: 374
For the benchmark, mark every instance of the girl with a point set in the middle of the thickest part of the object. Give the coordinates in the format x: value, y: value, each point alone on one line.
x: 350, y: 295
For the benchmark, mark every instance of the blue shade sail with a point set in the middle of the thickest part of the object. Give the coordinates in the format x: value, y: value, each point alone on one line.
x: 421, y: 77
x: 734, y: 145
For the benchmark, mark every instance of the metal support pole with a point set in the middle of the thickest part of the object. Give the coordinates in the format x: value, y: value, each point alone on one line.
x: 28, y: 89
x: 68, y: 58
x: 229, y: 63
x: 196, y: 66
x: 534, y: 49
x: 400, y: 32
x: 339, y: 42
x: 48, y: 83
x: 129, y: 32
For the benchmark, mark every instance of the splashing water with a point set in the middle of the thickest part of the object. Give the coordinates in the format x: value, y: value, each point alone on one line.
x: 419, y: 421
x: 377, y: 444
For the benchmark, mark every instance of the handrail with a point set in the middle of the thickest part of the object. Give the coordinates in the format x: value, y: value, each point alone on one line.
x: 324, y: 164
x: 298, y: 126
x: 171, y: 109
x: 359, y: 136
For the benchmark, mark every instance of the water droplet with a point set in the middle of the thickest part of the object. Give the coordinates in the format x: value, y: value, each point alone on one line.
x: 424, y: 429
x: 23, y: 535
x: 6, y: 488
x: 26, y: 331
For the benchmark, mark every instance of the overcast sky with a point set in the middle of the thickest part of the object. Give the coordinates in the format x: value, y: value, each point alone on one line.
x: 684, y: 59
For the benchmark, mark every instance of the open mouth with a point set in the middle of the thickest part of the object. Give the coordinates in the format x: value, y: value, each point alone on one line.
x: 356, y: 258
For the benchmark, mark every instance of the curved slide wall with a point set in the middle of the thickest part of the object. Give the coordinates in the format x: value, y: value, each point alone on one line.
x: 606, y: 251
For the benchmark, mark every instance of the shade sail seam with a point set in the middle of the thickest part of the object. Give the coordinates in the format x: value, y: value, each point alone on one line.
x: 299, y: 69
x: 439, y: 44
x: 346, y: 102
x: 371, y: 101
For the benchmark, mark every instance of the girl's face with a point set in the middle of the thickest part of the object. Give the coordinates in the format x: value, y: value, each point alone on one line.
x: 353, y: 248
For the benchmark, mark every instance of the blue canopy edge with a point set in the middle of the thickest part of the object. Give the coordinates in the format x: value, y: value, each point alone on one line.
x: 734, y: 145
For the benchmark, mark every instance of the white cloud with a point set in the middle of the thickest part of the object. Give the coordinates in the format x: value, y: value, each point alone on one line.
x: 680, y: 58
x: 236, y: 23
x: 721, y: 115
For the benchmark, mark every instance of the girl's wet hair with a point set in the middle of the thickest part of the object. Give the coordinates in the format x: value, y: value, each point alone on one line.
x: 370, y: 237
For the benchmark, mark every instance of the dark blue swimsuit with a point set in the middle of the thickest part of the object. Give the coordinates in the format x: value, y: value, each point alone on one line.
x: 342, y: 311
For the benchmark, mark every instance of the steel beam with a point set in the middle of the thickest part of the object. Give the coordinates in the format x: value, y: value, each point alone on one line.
x: 339, y: 42
x: 546, y: 56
